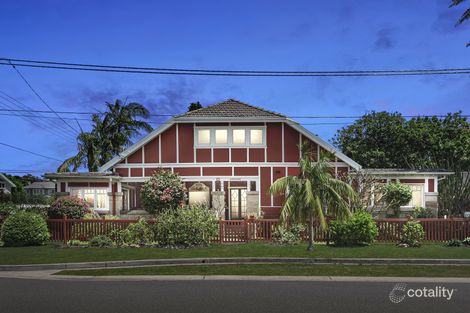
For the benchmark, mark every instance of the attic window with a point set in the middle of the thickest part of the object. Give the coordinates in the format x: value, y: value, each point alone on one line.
x: 204, y: 136
x: 256, y: 136
x: 238, y: 136
x: 221, y: 136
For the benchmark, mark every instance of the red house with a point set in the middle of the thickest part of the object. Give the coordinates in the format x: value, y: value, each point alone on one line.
x: 228, y: 155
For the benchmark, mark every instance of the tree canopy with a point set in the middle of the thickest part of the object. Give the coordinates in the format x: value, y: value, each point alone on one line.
x: 111, y: 133
x: 194, y: 106
x: 388, y: 140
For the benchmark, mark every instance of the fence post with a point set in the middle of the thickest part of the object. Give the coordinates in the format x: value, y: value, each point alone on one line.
x: 245, y: 221
x: 221, y: 232
x: 105, y: 230
x: 64, y: 229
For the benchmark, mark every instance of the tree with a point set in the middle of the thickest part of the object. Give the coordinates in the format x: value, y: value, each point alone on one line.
x: 465, y: 16
x: 111, y: 133
x: 194, y: 106
x: 376, y: 140
x: 312, y: 194
x: 387, y: 140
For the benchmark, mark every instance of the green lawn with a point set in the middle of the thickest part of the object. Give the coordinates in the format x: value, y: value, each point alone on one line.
x: 284, y: 270
x: 57, y: 254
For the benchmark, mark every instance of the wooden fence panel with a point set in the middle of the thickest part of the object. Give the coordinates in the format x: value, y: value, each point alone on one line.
x: 261, y: 230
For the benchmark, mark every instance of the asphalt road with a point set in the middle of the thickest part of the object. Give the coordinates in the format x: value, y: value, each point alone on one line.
x: 25, y: 295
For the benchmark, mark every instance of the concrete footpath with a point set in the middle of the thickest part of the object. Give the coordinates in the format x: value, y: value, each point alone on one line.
x: 189, y: 261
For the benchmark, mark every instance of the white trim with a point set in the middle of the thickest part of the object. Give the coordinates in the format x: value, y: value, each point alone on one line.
x: 229, y: 143
x: 272, y: 181
x: 282, y: 141
x: 177, y: 144
x: 159, y: 149
x: 221, y: 164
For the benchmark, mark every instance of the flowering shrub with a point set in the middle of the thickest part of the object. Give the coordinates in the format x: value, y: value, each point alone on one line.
x: 69, y: 206
x: 163, y: 191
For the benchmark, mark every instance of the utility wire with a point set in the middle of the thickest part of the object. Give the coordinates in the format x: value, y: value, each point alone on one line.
x: 194, y: 72
x: 100, y: 66
x: 173, y: 115
x: 38, y: 123
x: 31, y: 152
x: 40, y: 98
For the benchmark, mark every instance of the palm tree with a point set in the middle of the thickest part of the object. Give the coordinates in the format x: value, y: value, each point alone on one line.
x: 111, y: 133
x: 311, y: 193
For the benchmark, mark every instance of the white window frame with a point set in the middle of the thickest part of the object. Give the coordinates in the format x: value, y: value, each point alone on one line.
x: 410, y: 205
x: 81, y: 191
x: 229, y: 143
x: 196, y: 137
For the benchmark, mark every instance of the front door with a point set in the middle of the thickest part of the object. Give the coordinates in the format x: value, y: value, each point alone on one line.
x: 237, y: 203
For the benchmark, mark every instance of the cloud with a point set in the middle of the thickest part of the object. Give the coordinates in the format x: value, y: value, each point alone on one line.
x: 384, y: 40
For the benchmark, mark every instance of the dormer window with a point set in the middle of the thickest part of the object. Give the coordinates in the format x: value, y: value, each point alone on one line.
x: 218, y: 136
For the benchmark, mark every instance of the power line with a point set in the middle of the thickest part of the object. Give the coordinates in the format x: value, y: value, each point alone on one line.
x: 31, y: 152
x: 173, y: 115
x: 66, y: 134
x: 212, y: 72
x: 40, y: 98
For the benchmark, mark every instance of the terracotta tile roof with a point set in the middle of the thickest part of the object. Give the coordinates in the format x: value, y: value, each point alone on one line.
x: 231, y: 108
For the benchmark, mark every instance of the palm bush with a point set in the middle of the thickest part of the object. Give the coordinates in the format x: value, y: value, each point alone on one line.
x: 312, y: 193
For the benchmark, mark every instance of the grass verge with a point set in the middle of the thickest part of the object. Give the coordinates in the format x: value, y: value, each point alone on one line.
x: 56, y: 254
x: 284, y: 270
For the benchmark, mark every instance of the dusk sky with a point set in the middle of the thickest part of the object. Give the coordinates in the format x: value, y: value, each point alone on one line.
x: 244, y: 35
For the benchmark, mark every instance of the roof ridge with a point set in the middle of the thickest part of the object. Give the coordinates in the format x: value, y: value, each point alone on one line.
x: 229, y: 102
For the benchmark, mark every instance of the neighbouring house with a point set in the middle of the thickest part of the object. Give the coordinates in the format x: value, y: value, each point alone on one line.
x: 228, y: 155
x: 6, y: 185
x: 41, y: 188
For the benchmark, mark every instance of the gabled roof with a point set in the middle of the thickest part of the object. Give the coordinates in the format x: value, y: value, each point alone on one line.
x: 231, y: 108
x: 41, y: 185
x: 5, y: 179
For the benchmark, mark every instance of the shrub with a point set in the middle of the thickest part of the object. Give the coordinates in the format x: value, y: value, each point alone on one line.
x: 24, y: 229
x: 289, y: 235
x: 139, y: 234
x: 185, y: 226
x: 6, y: 208
x: 466, y: 241
x: 77, y: 243
x: 453, y: 243
x: 358, y: 230
x: 396, y: 195
x: 163, y: 191
x: 101, y: 241
x: 69, y: 206
x: 420, y: 212
x: 412, y: 234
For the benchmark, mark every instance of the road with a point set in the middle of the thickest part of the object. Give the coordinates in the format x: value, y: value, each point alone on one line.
x: 30, y: 295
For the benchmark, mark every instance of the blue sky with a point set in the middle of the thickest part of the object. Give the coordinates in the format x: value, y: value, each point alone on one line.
x: 258, y: 35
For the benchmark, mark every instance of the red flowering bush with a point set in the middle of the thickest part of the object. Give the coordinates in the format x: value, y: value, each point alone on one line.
x: 163, y: 191
x: 69, y: 206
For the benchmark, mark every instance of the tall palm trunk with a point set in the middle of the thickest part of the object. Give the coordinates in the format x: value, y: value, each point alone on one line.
x: 310, y: 234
